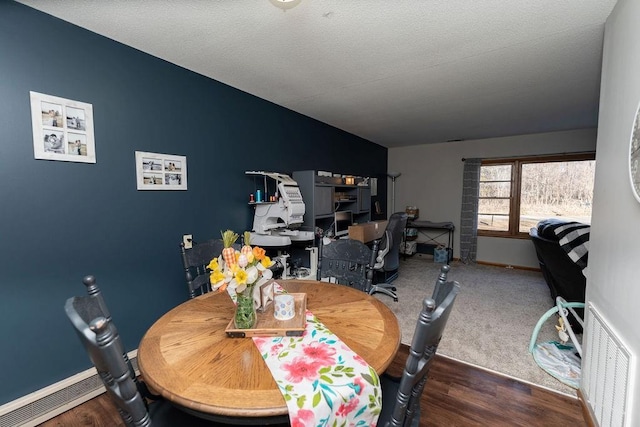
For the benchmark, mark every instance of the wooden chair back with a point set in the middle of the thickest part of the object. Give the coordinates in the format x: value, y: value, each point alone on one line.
x: 100, y: 338
x: 401, y: 407
x: 347, y: 261
x: 195, y: 261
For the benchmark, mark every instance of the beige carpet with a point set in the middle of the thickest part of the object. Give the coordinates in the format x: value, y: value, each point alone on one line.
x: 492, y: 320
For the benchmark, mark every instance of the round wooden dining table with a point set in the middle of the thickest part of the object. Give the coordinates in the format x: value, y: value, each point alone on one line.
x: 187, y: 357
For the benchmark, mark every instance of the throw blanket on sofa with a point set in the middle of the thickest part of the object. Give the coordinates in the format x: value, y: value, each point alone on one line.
x: 573, y: 237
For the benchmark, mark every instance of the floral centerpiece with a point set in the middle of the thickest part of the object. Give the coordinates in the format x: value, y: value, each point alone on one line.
x: 240, y: 272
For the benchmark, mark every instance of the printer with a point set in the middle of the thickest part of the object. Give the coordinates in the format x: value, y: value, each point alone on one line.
x: 276, y: 222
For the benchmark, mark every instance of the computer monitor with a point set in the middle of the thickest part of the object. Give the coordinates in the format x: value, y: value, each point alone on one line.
x: 341, y: 222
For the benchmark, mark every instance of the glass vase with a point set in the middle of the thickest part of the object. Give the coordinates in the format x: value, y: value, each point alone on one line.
x: 245, y: 316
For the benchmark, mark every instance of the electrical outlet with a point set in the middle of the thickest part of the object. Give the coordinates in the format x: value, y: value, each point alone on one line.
x: 187, y: 240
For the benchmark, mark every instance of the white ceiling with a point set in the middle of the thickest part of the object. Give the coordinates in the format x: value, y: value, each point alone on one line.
x: 394, y: 72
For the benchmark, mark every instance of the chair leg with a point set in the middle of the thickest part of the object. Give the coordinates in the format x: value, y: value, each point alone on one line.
x: 387, y: 290
x: 385, y: 286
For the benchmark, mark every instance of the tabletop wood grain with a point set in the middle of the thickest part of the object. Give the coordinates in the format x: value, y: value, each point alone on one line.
x: 187, y: 358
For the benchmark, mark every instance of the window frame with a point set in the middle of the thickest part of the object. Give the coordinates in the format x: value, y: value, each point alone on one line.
x: 514, y: 198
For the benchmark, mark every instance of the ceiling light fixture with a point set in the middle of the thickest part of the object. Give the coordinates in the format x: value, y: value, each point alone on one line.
x: 285, y: 4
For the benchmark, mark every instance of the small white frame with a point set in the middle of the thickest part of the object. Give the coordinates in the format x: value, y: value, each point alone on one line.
x: 62, y: 129
x: 155, y: 171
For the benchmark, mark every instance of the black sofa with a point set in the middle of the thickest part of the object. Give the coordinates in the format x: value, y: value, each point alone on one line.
x: 562, y: 265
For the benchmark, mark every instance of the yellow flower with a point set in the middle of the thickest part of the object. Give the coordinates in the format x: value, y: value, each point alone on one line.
x: 216, y: 276
x: 266, y: 262
x: 241, y: 276
x: 213, y: 265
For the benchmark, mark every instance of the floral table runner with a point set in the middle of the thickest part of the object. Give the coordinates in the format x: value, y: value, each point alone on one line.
x: 323, y: 381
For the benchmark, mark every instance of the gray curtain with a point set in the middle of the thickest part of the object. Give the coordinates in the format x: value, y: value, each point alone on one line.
x: 469, y: 214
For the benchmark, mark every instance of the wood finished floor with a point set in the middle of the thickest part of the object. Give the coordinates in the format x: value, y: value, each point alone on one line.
x: 456, y: 394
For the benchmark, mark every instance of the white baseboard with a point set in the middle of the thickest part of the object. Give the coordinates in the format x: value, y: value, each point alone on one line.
x: 46, y: 403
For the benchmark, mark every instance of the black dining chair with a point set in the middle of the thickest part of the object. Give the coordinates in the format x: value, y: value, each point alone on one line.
x: 195, y: 261
x: 401, y: 396
x: 99, y: 336
x: 347, y: 262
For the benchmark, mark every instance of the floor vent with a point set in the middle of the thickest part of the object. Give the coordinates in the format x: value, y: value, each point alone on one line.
x: 605, y: 374
x: 44, y: 404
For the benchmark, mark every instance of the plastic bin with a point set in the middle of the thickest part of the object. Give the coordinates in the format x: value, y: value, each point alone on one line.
x: 441, y: 255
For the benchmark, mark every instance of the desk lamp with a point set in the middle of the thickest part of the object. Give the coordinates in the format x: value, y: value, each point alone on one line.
x: 393, y: 176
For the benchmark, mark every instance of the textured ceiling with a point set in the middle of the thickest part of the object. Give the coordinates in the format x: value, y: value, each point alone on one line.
x: 394, y: 72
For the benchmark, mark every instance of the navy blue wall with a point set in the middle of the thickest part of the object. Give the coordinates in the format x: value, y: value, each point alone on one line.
x: 60, y: 221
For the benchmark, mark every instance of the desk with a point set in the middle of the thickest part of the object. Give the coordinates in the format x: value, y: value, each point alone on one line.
x: 187, y: 358
x: 440, y: 227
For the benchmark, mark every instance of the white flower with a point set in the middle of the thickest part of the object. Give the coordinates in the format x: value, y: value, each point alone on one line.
x: 217, y: 285
x: 238, y: 287
x: 267, y: 274
x: 252, y: 274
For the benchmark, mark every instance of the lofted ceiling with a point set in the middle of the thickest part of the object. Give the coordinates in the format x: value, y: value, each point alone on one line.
x: 396, y: 73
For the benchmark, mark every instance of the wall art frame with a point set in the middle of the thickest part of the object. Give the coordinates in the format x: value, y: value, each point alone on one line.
x: 62, y: 129
x: 155, y: 171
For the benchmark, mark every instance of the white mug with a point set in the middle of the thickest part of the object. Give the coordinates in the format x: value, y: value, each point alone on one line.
x: 283, y: 307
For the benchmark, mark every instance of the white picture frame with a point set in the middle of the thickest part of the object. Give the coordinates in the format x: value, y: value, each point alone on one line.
x: 62, y: 129
x: 155, y: 171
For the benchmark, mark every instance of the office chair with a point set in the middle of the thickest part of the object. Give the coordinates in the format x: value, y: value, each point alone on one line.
x: 401, y: 397
x: 388, y: 257
x: 195, y: 261
x: 348, y: 262
x: 99, y: 336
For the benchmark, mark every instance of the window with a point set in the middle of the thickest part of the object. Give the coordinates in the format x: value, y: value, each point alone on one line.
x: 517, y: 193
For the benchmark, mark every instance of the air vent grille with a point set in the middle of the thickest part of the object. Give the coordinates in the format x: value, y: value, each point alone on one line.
x: 605, y: 371
x: 45, y: 404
